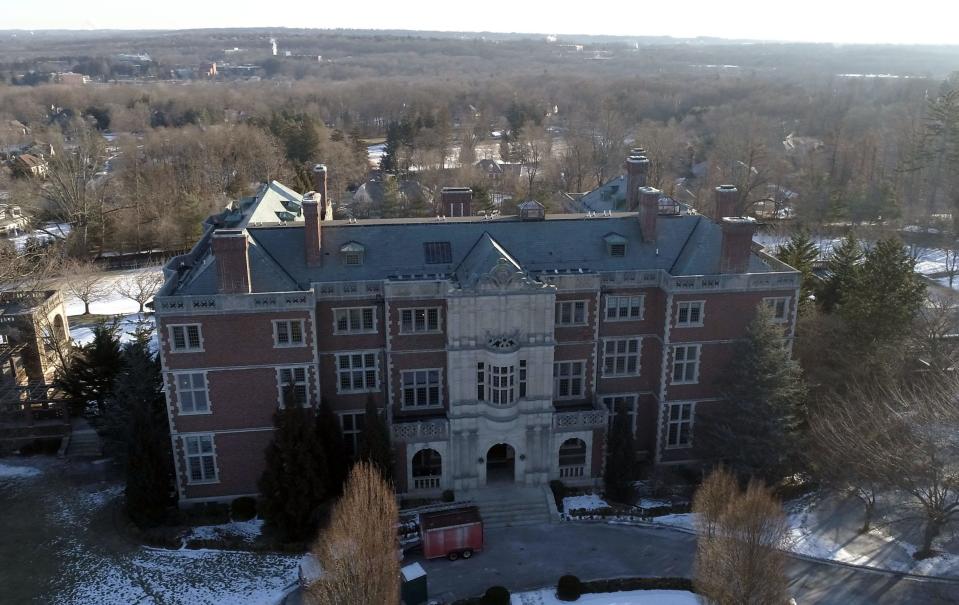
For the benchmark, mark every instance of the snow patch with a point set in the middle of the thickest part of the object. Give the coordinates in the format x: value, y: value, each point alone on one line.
x: 9, y: 471
x: 587, y: 502
x: 684, y: 520
x: 247, y: 530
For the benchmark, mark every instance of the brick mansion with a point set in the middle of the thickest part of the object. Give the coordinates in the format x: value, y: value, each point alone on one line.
x: 497, y: 347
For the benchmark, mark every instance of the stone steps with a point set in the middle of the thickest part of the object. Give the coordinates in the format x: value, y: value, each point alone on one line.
x: 84, y: 444
x: 511, y: 507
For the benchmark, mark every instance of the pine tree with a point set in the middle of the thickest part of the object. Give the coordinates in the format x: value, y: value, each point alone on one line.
x: 759, y: 431
x: 330, y: 435
x: 392, y: 199
x: 293, y: 483
x: 620, y: 471
x: 800, y: 253
x: 88, y: 379
x: 841, y: 270
x: 375, y: 446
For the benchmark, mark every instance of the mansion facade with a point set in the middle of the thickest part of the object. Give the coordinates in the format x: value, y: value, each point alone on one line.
x: 497, y: 347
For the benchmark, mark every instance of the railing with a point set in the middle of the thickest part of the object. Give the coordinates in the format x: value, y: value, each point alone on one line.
x: 754, y: 281
x: 578, y: 421
x: 348, y: 289
x: 422, y: 430
x: 426, y: 482
x: 173, y: 305
x: 572, y: 472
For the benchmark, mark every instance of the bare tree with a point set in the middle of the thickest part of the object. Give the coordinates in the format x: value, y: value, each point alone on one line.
x: 84, y: 280
x: 358, y: 552
x: 141, y: 286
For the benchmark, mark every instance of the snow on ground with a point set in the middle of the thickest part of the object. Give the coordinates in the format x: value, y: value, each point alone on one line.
x: 684, y: 520
x: 10, y: 471
x: 547, y: 596
x: 113, y: 303
x: 653, y: 503
x: 587, y: 502
x: 247, y: 530
x: 47, y: 232
x: 83, y: 333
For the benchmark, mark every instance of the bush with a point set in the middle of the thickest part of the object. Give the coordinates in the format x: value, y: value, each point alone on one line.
x: 243, y: 509
x: 622, y: 584
x: 448, y: 495
x: 495, y: 595
x: 569, y: 588
x: 559, y: 492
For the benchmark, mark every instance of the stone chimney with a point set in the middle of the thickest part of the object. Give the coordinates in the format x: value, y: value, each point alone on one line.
x: 311, y: 232
x: 727, y: 200
x: 737, y: 243
x: 456, y: 201
x: 232, y: 261
x: 648, y: 212
x: 637, y: 171
x: 319, y: 186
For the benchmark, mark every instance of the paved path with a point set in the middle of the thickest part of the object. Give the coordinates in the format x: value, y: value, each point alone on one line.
x: 530, y: 557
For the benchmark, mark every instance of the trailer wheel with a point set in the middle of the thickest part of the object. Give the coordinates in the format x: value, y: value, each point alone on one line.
x: 467, y: 553
x: 453, y: 555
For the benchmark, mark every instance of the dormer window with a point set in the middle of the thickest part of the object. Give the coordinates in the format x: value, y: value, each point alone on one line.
x: 353, y: 254
x: 615, y: 245
x: 531, y: 210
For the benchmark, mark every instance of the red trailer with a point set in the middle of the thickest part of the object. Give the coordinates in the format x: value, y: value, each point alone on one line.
x: 452, y: 533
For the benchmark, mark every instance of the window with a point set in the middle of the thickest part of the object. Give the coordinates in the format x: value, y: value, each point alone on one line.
x: 357, y: 372
x: 621, y: 356
x: 571, y: 313
x: 615, y: 244
x: 288, y: 333
x: 615, y: 403
x: 522, y: 378
x: 779, y: 308
x: 572, y: 459
x: 680, y: 425
x: 186, y: 338
x: 419, y: 320
x: 4, y: 339
x: 689, y: 313
x: 617, y: 249
x: 686, y: 364
x: 352, y: 253
x: 437, y: 253
x: 568, y: 379
x: 624, y: 308
x: 501, y: 382
x: 293, y: 389
x: 352, y: 424
x: 480, y: 382
x: 421, y: 389
x: 192, y: 393
x: 200, y: 459
x: 354, y: 320
x: 427, y: 468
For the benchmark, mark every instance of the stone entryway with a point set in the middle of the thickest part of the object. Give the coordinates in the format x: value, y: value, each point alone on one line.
x: 500, y: 464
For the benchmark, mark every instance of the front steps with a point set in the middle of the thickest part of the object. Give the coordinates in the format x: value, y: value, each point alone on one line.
x: 84, y: 443
x: 511, y: 506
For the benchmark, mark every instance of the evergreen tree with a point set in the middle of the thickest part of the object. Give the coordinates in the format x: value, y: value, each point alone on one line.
x: 392, y: 199
x: 620, y: 471
x: 88, y: 379
x: 482, y: 198
x: 330, y: 435
x: 800, y: 253
x: 841, y: 270
x: 759, y: 431
x: 293, y: 483
x: 375, y: 446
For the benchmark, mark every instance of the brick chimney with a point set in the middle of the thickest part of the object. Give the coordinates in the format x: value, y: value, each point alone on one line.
x: 319, y: 186
x: 648, y: 211
x: 637, y: 171
x: 232, y: 261
x: 727, y: 200
x: 456, y: 201
x: 737, y: 243
x: 311, y: 232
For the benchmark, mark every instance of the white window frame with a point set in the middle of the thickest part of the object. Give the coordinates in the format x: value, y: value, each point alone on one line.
x: 193, y: 389
x: 670, y: 423
x: 289, y: 333
x: 347, y: 312
x: 375, y: 369
x: 558, y: 378
x: 773, y: 301
x: 426, y: 320
x: 633, y: 412
x: 415, y: 386
x: 614, y: 302
x: 305, y: 383
x: 187, y: 456
x: 685, y: 361
x: 625, y: 355
x: 353, y: 435
x: 688, y: 305
x: 571, y: 305
x: 171, y: 331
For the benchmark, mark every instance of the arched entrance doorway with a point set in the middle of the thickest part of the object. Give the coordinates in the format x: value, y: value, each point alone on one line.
x: 501, y: 464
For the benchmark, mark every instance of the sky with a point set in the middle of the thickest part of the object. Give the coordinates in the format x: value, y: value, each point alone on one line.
x: 838, y: 21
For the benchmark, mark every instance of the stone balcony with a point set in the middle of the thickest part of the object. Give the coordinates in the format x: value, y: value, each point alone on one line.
x: 580, y: 420
x: 434, y: 429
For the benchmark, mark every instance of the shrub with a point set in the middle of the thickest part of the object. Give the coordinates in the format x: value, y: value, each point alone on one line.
x: 569, y: 588
x: 243, y: 509
x: 495, y: 595
x: 559, y: 492
x: 622, y: 584
x: 448, y: 495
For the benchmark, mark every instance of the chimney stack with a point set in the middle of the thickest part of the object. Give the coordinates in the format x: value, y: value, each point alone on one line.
x: 737, y: 243
x: 232, y: 261
x: 456, y: 201
x: 727, y: 201
x: 319, y: 186
x: 311, y: 232
x: 648, y: 212
x: 637, y: 171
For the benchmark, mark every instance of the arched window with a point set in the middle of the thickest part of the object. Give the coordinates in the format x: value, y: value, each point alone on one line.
x: 572, y: 459
x: 427, y: 469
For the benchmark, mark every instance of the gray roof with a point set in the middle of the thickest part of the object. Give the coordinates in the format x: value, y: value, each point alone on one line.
x: 611, y: 195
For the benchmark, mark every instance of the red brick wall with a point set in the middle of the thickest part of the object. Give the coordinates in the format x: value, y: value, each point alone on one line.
x: 240, y: 462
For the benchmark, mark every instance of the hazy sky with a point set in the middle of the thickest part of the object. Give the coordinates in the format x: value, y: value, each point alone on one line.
x: 847, y: 21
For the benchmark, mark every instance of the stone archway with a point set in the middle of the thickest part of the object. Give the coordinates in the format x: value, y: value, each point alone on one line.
x: 501, y: 464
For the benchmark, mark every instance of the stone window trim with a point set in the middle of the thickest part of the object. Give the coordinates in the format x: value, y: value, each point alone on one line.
x: 779, y: 305
x: 179, y: 393
x: 625, y: 307
x: 686, y: 310
x: 416, y: 385
x: 351, y: 434
x: 680, y: 415
x: 192, y: 340
x: 354, y: 370
x: 572, y: 313
x: 293, y: 331
x: 609, y: 400
x: 622, y: 351
x: 420, y: 320
x: 305, y: 383
x: 200, y: 440
x: 360, y: 315
x: 570, y: 377
x: 686, y: 361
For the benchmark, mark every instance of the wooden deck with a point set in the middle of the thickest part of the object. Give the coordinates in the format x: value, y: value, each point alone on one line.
x: 30, y: 413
